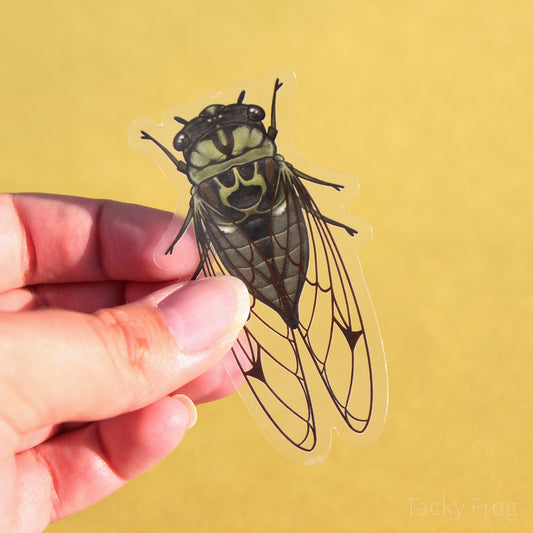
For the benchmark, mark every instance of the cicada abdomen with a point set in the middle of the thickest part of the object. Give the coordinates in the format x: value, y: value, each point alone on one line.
x: 258, y: 232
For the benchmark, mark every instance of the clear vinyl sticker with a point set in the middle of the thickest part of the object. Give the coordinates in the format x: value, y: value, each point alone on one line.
x: 310, y: 357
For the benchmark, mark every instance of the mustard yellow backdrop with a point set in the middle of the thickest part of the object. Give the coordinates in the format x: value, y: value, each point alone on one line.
x: 431, y: 108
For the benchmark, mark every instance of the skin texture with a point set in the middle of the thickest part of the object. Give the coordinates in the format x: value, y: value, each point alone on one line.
x: 103, y: 353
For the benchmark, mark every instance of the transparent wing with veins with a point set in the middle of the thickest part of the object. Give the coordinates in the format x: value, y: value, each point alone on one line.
x: 301, y: 382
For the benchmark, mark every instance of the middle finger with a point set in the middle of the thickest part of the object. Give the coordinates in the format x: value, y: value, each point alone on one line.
x: 85, y: 297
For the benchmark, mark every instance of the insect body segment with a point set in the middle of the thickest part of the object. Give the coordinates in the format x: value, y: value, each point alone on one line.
x: 254, y: 219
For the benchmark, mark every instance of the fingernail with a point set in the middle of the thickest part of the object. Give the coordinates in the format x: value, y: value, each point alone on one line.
x: 200, y: 313
x: 188, y: 403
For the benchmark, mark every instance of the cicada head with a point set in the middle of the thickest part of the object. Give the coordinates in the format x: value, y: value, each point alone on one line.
x: 221, y: 137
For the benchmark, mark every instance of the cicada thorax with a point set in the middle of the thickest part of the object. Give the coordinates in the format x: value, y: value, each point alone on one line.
x: 257, y: 229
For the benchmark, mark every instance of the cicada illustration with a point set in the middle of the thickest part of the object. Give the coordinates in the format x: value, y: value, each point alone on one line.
x: 310, y: 355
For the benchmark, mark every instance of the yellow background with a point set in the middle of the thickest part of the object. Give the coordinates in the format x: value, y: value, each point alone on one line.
x: 429, y: 104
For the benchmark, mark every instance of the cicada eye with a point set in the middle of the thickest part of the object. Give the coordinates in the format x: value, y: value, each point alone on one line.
x: 255, y: 113
x: 181, y: 141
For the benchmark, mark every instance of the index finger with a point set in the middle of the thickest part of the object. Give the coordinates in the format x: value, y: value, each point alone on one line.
x: 64, y: 239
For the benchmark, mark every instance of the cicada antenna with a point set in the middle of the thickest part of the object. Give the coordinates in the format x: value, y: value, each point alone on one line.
x: 181, y: 120
x: 272, y: 131
x: 241, y: 97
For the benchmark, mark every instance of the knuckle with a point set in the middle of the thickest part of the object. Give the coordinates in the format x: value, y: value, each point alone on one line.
x: 132, y: 337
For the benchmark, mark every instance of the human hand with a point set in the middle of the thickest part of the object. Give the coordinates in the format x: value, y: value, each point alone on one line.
x: 98, y: 346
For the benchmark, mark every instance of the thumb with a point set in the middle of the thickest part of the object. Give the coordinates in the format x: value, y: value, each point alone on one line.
x: 58, y: 365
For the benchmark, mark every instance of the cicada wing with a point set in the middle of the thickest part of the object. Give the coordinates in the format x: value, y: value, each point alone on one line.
x: 277, y: 392
x: 339, y: 329
x: 268, y: 354
x: 329, y: 370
